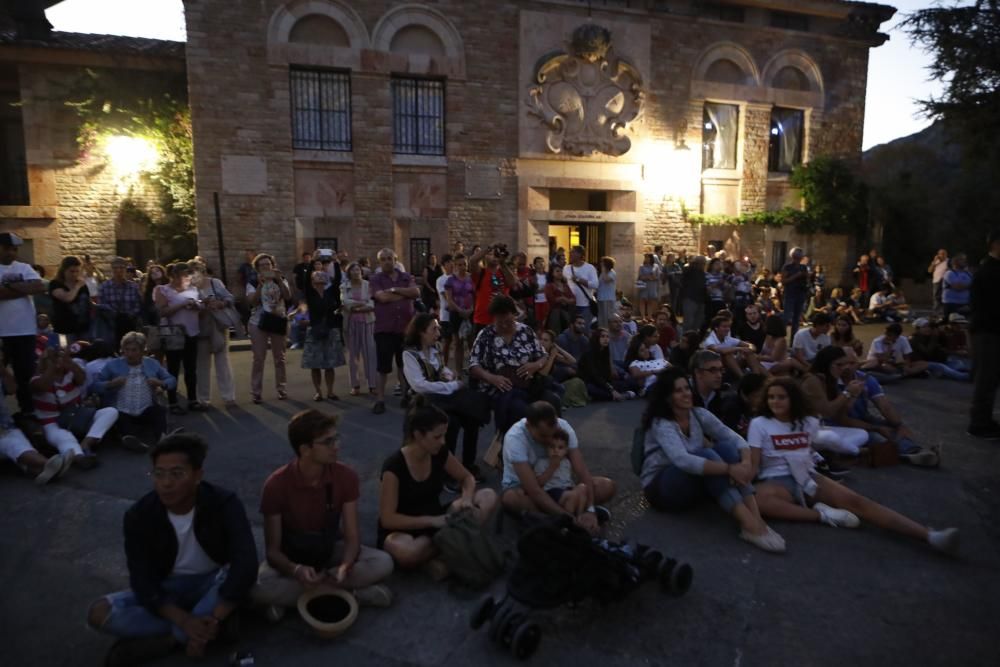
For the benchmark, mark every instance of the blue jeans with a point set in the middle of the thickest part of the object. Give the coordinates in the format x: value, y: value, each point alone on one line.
x: 795, y: 304
x: 944, y: 370
x: 905, y: 445
x: 673, y: 489
x: 196, y: 593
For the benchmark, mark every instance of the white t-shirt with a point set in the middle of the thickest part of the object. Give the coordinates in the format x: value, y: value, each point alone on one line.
x: 540, y: 293
x: 587, y: 274
x: 17, y: 316
x: 712, y: 340
x: 444, y: 315
x: 191, y: 558
x: 562, y: 478
x: 655, y: 365
x: 520, y: 447
x: 810, y: 346
x: 778, y: 442
x: 897, y: 351
x: 940, y: 269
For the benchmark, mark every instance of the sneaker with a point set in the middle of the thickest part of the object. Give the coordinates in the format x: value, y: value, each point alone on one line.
x: 134, y: 444
x: 629, y: 395
x: 274, y: 613
x: 67, y: 463
x: 769, y: 541
x: 373, y: 596
x: 986, y: 432
x: 945, y: 541
x: 137, y: 650
x: 53, y: 467
x: 835, y: 517
x: 379, y: 407
x: 922, y: 458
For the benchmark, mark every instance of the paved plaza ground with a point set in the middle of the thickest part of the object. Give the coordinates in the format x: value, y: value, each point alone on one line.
x: 838, y: 597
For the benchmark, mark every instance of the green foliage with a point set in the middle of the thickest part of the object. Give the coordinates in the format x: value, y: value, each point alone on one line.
x: 965, y: 42
x: 835, y: 203
x: 137, y: 106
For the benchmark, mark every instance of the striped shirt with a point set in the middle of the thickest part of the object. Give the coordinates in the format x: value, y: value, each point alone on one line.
x: 63, y: 393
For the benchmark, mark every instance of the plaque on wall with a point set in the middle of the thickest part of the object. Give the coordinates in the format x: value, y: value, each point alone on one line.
x: 244, y: 175
x: 483, y: 181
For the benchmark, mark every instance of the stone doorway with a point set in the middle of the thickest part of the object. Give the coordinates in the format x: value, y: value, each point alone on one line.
x: 592, y: 236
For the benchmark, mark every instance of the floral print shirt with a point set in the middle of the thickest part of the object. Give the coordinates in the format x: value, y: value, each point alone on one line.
x: 494, y: 354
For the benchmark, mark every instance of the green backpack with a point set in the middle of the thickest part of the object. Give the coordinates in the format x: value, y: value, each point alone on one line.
x: 469, y: 551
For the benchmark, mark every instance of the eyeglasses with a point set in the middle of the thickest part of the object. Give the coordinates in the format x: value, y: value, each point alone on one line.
x: 174, y: 474
x: 332, y: 441
x: 711, y: 369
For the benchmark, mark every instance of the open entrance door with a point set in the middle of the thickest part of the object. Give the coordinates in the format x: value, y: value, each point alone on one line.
x: 591, y: 236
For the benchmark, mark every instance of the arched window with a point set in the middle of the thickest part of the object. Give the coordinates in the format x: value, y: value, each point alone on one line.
x: 417, y: 40
x: 790, y: 78
x: 320, y: 30
x: 727, y: 63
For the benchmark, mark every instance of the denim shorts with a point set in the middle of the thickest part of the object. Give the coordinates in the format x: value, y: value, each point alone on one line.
x: 788, y: 482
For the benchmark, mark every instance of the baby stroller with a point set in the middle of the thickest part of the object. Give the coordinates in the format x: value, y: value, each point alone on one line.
x: 560, y: 563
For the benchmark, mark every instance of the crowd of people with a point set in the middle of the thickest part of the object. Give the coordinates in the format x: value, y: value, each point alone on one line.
x: 757, y: 397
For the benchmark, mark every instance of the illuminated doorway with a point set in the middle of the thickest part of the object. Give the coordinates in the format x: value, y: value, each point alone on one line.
x: 590, y: 236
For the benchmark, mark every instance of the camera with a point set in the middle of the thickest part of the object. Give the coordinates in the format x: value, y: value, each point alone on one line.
x: 499, y: 250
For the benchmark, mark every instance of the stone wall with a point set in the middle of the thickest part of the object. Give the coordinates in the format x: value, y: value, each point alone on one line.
x: 239, y: 91
x: 74, y: 198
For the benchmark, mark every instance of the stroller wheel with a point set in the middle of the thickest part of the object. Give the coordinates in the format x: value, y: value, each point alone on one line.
x: 499, y: 621
x: 527, y: 636
x: 675, y: 578
x: 483, y: 612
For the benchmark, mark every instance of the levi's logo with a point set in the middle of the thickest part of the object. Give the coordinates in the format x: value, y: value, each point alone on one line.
x: 790, y: 441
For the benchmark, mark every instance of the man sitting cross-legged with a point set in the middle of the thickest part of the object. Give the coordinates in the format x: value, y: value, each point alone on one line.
x: 525, y: 443
x: 191, y: 560
x: 311, y: 531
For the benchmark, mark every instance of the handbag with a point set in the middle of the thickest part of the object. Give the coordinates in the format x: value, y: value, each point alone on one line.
x: 228, y: 318
x: 76, y: 419
x: 464, y: 403
x: 171, y: 337
x: 591, y: 299
x: 315, y: 548
x: 271, y: 323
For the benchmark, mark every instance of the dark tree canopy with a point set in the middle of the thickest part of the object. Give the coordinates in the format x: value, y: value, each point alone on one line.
x: 964, y: 39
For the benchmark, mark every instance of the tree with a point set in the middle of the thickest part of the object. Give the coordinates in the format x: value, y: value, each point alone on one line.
x: 965, y: 43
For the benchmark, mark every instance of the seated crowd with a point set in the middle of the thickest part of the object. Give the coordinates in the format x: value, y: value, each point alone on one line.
x: 738, y: 411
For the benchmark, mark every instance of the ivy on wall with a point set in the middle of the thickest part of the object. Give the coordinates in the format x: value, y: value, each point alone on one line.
x: 140, y: 105
x: 835, y: 198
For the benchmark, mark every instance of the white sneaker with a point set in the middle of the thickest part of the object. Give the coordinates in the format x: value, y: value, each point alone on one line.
x: 837, y: 518
x: 629, y: 395
x: 53, y: 467
x: 945, y: 540
x: 769, y: 541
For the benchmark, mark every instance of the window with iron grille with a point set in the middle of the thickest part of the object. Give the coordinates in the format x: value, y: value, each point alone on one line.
x: 418, y: 116
x: 789, y: 21
x: 420, y: 250
x: 321, y: 110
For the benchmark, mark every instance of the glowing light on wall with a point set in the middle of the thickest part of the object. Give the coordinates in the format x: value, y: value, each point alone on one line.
x: 669, y: 170
x: 130, y: 156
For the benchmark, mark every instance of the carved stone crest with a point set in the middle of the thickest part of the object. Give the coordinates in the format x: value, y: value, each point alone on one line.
x: 586, y: 96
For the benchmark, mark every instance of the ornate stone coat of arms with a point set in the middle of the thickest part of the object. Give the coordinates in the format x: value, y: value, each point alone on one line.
x: 586, y: 97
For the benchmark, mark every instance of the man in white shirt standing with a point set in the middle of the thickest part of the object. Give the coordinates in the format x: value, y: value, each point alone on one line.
x: 808, y: 342
x: 937, y: 269
x: 18, y: 281
x: 444, y: 315
x: 583, y: 281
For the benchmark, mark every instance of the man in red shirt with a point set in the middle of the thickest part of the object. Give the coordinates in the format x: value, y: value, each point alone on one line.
x: 311, y: 531
x: 490, y: 276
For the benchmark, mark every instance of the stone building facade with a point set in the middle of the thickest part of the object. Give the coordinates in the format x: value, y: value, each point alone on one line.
x: 379, y: 123
x: 59, y: 199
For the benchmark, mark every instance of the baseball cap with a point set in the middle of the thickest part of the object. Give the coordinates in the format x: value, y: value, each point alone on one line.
x: 921, y: 322
x: 10, y: 238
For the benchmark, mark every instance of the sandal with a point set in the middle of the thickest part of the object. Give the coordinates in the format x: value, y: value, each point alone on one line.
x: 333, y: 397
x: 317, y: 397
x: 282, y: 395
x: 356, y: 391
